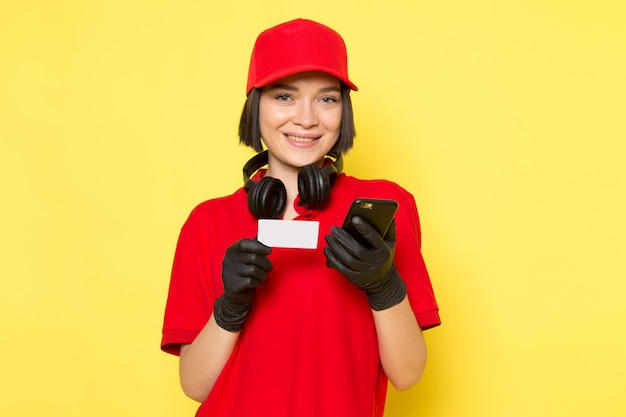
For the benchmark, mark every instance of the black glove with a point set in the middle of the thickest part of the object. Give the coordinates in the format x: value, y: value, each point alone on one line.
x: 244, y: 267
x: 370, y: 269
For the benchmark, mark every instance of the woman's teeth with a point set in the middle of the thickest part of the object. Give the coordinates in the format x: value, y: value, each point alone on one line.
x: 299, y: 139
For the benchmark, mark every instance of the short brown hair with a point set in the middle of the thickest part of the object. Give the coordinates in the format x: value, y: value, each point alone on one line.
x: 250, y: 128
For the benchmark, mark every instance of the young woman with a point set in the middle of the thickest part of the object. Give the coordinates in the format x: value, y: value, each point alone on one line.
x: 298, y: 332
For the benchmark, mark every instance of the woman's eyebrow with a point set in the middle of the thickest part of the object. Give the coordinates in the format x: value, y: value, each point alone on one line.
x: 283, y: 87
x: 329, y: 89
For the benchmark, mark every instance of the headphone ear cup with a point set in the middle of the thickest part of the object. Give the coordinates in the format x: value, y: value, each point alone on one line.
x: 267, y: 199
x: 313, y: 187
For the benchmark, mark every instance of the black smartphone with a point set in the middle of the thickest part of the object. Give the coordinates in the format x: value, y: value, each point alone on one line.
x: 377, y: 212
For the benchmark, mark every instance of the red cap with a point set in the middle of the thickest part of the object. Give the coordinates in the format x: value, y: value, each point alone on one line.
x: 297, y: 46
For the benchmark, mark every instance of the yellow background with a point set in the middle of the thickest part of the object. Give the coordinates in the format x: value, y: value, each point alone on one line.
x: 505, y: 119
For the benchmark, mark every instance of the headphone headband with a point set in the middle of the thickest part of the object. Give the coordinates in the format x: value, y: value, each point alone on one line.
x: 255, y: 163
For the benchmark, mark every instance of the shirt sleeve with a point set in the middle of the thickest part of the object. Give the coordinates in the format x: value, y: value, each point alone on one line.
x: 411, y: 266
x: 190, y: 300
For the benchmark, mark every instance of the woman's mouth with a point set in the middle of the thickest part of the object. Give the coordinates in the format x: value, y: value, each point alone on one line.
x: 301, y: 139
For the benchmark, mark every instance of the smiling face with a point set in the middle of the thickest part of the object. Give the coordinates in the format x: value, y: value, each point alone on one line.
x: 300, y: 120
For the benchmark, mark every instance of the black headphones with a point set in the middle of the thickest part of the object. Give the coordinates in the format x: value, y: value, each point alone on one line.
x: 267, y: 197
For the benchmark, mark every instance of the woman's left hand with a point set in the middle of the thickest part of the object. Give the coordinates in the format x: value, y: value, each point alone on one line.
x: 370, y: 269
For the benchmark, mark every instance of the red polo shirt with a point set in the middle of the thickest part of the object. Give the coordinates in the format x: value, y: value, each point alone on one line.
x: 308, y: 347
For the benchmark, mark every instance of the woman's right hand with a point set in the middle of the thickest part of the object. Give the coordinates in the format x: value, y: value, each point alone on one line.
x: 244, y: 267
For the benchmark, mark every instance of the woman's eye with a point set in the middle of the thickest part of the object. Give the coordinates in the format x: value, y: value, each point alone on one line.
x: 283, y: 97
x: 328, y: 99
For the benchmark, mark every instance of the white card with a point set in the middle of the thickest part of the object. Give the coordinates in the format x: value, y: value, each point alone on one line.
x: 299, y: 234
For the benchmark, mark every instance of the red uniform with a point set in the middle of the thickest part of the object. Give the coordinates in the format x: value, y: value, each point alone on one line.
x: 308, y: 347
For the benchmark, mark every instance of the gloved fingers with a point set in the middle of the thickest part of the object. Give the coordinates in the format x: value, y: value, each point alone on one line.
x: 368, y: 257
x: 251, y: 246
x: 349, y: 243
x: 245, y: 265
x: 244, y: 270
x: 253, y: 270
x: 252, y: 259
x: 242, y: 284
x: 341, y: 257
x: 369, y: 233
x: 332, y: 261
x: 248, y: 252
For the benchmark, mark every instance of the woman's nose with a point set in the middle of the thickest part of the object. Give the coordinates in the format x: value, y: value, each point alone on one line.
x: 306, y: 115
